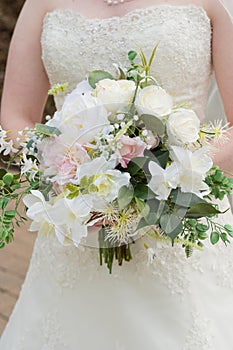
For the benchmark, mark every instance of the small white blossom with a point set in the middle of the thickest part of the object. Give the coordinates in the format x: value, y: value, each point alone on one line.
x: 136, y: 118
x: 29, y: 166
x: 144, y: 133
x: 120, y: 116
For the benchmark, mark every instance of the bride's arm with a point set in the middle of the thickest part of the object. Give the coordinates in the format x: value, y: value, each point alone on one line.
x: 26, y: 83
x: 222, y: 53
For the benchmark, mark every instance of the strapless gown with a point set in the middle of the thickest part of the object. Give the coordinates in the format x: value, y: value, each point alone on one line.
x: 69, y: 302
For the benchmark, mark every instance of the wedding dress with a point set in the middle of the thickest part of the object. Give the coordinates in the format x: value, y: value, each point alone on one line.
x: 69, y: 302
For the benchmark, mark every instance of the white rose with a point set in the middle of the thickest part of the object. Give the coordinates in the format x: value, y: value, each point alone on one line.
x: 115, y: 94
x: 183, y: 127
x: 154, y: 100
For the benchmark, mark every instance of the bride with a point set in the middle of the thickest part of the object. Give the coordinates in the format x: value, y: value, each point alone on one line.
x: 67, y: 302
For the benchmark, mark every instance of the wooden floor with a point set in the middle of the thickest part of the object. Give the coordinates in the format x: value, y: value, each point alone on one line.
x: 14, y: 260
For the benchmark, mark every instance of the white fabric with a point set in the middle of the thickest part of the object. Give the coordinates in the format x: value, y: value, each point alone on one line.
x: 67, y: 301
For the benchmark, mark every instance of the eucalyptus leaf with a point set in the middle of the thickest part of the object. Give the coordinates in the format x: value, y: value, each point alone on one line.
x: 142, y: 223
x: 136, y: 164
x: 154, y: 124
x: 125, y: 196
x: 161, y: 157
x: 157, y: 209
x: 96, y: 75
x: 172, y: 225
x: 186, y: 200
x: 140, y: 204
x: 142, y: 191
x: 47, y: 130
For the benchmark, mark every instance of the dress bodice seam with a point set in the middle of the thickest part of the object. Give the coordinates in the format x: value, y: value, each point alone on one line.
x: 137, y: 11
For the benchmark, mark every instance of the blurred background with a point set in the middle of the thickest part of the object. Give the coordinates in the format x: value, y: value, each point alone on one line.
x: 14, y: 259
x: 9, y: 11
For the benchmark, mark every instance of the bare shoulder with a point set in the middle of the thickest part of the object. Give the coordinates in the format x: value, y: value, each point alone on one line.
x: 35, y: 8
x: 215, y: 11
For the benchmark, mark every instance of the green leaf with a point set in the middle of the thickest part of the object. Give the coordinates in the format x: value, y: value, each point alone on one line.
x: 132, y: 55
x: 142, y: 191
x: 140, y: 204
x: 161, y: 157
x: 14, y: 187
x: 171, y: 225
x: 143, y: 207
x: 214, y: 237
x: 72, y: 188
x: 152, y: 56
x: 154, y: 124
x: 202, y: 235
x: 186, y: 200
x: 142, y: 223
x: 2, y: 172
x: 224, y: 237
x: 143, y: 58
x: 202, y: 227
x: 10, y: 213
x: 47, y: 130
x: 135, y: 165
x: 202, y: 209
x: 84, y: 181
x: 125, y: 196
x: 96, y: 75
x: 157, y: 209
x: 122, y: 74
x: 8, y: 178
x: 3, y: 202
x: 229, y: 229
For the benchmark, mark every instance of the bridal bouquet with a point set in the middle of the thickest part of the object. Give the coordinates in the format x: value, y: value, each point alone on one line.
x: 119, y: 160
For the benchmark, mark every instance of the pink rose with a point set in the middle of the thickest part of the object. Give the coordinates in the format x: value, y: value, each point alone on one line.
x: 130, y: 148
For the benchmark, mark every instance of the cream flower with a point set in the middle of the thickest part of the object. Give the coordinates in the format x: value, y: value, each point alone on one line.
x: 183, y: 127
x: 154, y: 100
x: 115, y: 94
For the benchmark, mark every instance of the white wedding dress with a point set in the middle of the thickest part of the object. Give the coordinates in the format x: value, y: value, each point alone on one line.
x: 69, y: 302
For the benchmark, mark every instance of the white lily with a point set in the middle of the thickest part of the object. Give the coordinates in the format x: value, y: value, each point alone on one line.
x: 163, y: 180
x: 193, y: 167
x: 38, y: 211
x: 69, y: 216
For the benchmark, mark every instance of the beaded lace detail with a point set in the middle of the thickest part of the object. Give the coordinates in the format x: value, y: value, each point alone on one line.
x: 199, y: 335
x: 73, y: 45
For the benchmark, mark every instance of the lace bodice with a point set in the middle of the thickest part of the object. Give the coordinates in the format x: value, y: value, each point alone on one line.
x: 73, y: 45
